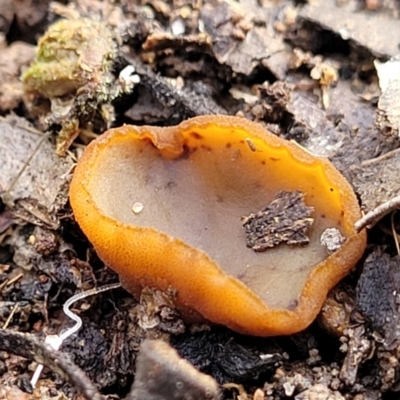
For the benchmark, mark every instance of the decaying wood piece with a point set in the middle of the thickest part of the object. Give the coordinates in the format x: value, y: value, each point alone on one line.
x: 162, y: 375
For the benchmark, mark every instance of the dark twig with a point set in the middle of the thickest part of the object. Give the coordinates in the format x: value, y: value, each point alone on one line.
x: 27, y: 346
x: 185, y: 103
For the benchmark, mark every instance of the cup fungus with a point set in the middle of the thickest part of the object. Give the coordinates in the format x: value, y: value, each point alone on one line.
x: 226, y: 214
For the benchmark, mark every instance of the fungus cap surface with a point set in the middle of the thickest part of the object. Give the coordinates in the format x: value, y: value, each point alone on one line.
x: 163, y: 208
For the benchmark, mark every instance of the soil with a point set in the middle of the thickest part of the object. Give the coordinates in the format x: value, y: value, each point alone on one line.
x: 323, y: 73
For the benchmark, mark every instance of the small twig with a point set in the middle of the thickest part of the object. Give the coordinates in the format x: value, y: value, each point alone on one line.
x: 372, y: 217
x: 9, y: 282
x: 395, y: 237
x: 45, y: 310
x: 59, y: 290
x: 15, y: 279
x: 15, y: 308
x: 30, y: 129
x: 28, y: 346
x: 4, y: 284
x: 385, y: 156
x: 86, y: 133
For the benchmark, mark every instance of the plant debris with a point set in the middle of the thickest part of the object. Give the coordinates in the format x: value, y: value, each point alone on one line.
x: 378, y: 296
x: 332, y: 240
x: 226, y: 356
x: 28, y: 165
x: 162, y: 374
x: 388, y: 113
x: 28, y: 346
x: 72, y: 69
x: 286, y: 219
x: 376, y: 179
x: 160, y: 99
x: 322, y: 73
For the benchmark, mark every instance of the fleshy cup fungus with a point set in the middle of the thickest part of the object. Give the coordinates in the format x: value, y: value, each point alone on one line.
x: 208, y: 208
